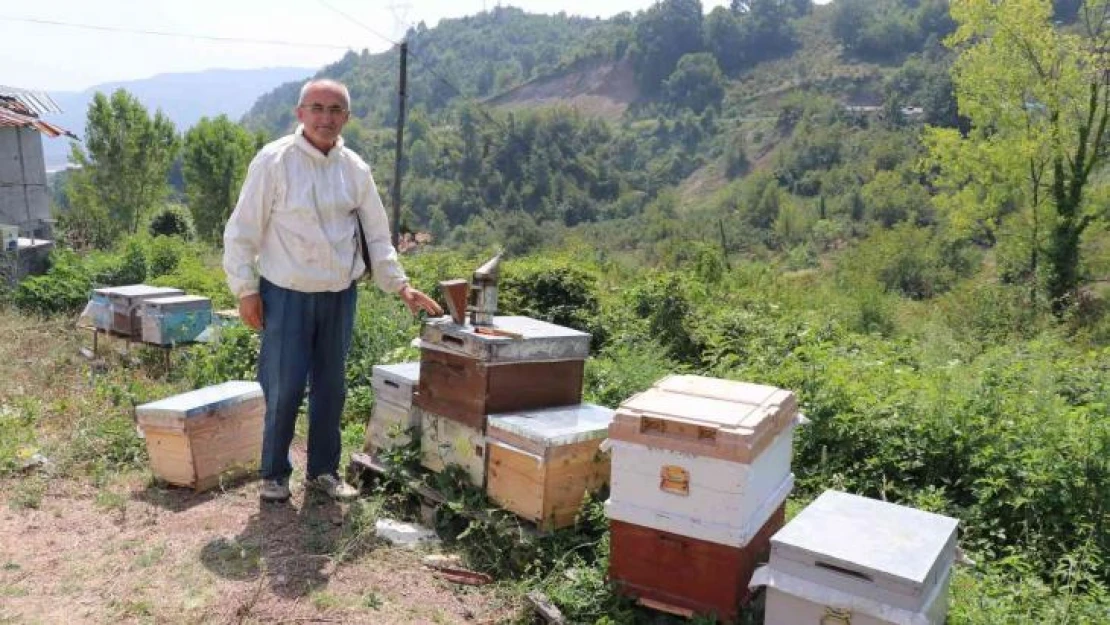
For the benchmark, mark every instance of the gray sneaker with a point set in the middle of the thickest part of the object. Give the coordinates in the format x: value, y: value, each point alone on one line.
x: 274, y: 491
x: 333, y: 487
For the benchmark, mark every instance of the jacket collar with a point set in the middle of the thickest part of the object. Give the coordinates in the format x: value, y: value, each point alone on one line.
x: 301, y: 142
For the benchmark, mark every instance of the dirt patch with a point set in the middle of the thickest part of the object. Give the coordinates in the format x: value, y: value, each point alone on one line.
x: 602, y: 90
x: 130, y: 552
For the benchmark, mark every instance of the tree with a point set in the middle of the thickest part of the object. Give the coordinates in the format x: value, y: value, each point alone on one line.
x: 1038, y: 101
x: 665, y: 33
x: 696, y: 83
x: 725, y: 40
x: 124, y: 171
x: 217, y: 153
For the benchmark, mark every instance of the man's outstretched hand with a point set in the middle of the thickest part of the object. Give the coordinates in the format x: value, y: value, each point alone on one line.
x: 417, y: 301
x: 250, y: 310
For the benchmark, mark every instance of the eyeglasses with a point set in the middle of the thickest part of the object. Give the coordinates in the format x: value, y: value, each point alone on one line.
x: 320, y: 109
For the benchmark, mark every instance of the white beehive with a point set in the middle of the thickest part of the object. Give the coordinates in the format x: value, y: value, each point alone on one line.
x: 861, y: 561
x: 392, y: 420
x: 445, y: 442
x: 703, y: 457
x: 395, y: 383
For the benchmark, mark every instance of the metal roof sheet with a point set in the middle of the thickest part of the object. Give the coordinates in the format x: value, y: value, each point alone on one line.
x: 36, y: 102
x: 12, y: 119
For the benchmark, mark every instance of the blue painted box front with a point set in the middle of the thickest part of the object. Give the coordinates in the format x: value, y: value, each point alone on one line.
x: 180, y: 319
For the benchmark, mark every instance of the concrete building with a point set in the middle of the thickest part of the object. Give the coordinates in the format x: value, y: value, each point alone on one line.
x: 25, y: 223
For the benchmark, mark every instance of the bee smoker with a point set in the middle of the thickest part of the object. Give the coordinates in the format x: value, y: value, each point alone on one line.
x: 483, y: 293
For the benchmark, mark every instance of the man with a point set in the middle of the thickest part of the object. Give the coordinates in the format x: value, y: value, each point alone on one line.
x: 291, y: 253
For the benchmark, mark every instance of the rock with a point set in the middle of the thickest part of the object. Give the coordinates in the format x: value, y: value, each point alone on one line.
x: 404, y: 534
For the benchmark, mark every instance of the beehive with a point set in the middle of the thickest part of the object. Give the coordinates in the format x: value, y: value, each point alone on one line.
x: 684, y: 573
x: 850, y: 559
x: 392, y: 418
x: 126, y: 303
x: 542, y: 462
x: 702, y: 457
x: 445, y: 442
x: 175, y: 319
x: 466, y: 375
x: 196, y: 437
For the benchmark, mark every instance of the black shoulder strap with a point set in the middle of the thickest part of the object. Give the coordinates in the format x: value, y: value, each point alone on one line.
x: 363, y: 247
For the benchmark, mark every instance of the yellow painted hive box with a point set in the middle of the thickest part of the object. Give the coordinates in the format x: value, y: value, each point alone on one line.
x: 194, y: 439
x: 543, y: 462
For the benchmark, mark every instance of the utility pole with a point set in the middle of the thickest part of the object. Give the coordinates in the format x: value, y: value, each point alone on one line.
x: 400, y: 144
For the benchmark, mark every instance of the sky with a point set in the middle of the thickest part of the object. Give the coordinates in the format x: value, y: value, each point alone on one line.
x: 56, y: 57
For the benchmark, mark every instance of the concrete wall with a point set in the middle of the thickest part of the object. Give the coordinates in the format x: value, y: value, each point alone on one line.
x: 23, y: 195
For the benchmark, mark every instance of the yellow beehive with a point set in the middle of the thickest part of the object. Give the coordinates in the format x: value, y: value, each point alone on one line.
x: 195, y: 438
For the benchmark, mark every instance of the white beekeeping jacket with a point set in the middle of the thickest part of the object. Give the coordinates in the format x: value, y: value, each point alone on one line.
x: 295, y: 222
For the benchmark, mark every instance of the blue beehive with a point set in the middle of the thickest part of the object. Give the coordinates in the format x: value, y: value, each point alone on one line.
x: 177, y: 319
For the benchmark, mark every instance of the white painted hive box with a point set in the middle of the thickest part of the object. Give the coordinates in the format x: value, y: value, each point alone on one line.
x: 702, y: 497
x: 871, y: 561
x: 445, y: 442
x: 391, y: 425
x: 543, y: 462
x: 705, y: 417
x: 395, y: 383
x: 195, y: 437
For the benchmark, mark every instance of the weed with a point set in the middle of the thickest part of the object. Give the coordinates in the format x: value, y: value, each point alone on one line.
x: 28, y: 494
x: 372, y: 600
x: 151, y: 556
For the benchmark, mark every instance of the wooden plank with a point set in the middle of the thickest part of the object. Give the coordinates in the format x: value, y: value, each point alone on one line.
x: 516, y: 481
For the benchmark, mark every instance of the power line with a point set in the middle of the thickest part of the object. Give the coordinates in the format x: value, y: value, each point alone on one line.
x: 166, y: 33
x: 359, y: 23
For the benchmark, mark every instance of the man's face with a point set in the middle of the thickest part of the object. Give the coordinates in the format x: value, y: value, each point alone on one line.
x: 323, y: 114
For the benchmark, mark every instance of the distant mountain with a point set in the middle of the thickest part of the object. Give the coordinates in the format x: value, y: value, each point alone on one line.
x: 185, y: 98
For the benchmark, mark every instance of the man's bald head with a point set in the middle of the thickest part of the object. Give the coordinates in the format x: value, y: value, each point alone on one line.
x: 328, y: 85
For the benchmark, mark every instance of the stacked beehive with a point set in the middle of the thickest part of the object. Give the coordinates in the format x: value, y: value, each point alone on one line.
x: 467, y: 375
x: 700, y: 474
x: 391, y: 420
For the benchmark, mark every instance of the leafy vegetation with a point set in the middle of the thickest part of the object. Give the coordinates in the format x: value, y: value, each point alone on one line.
x: 898, y: 211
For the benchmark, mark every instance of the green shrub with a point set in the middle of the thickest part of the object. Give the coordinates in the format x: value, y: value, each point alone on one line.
x: 127, y: 267
x: 557, y: 292
x: 64, y: 289
x: 233, y: 356
x: 173, y: 220
x: 164, y: 254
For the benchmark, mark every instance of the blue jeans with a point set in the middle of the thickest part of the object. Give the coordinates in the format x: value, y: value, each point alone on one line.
x: 305, y: 339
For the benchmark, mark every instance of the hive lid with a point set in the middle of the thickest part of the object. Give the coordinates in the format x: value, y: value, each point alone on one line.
x: 529, y: 340
x: 880, y: 540
x: 174, y: 300
x: 140, y: 290
x: 714, y: 403
x: 527, y: 326
x: 551, y: 427
x: 202, y: 400
x: 404, y: 372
